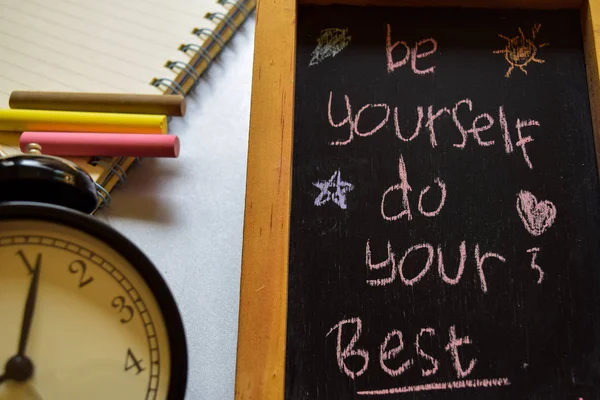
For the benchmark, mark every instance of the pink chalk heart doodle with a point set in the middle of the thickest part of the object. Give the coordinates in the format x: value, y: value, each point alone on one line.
x: 537, y: 216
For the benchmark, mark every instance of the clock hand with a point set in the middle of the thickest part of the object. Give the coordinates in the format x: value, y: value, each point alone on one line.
x: 19, y: 367
x: 29, y: 307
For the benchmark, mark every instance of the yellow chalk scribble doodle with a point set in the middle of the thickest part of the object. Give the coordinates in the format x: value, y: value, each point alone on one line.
x: 331, y: 42
x: 520, y: 51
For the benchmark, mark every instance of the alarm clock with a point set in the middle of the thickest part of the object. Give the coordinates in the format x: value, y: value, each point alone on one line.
x: 84, y: 314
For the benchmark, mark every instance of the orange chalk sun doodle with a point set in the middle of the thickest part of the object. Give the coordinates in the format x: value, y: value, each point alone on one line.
x: 520, y: 51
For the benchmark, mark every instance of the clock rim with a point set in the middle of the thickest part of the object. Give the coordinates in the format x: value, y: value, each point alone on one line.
x: 176, y: 337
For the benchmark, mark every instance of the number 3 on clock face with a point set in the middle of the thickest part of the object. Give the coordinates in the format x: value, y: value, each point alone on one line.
x: 86, y: 309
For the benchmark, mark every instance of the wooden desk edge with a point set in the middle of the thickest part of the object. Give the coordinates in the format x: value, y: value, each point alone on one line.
x: 260, y: 369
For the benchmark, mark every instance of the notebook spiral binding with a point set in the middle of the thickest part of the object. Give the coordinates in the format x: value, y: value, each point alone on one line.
x: 187, y: 75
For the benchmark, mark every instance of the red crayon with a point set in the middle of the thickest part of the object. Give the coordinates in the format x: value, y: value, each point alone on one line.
x: 102, y: 144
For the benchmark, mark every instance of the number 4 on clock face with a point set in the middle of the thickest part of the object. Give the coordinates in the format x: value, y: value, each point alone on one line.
x: 132, y: 362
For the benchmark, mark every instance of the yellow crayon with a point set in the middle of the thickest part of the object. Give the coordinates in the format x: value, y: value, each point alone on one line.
x: 71, y: 121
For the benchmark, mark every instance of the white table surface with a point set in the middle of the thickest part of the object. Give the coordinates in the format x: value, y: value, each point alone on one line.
x: 186, y: 214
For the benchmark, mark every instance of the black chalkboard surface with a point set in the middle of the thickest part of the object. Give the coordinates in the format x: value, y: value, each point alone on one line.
x: 445, y: 207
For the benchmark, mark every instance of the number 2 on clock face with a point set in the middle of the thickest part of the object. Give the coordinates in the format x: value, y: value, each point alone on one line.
x: 97, y: 331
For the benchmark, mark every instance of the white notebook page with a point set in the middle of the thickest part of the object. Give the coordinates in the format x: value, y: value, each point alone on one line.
x: 115, y: 46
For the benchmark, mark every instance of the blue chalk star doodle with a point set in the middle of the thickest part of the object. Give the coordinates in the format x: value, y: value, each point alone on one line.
x: 334, y: 189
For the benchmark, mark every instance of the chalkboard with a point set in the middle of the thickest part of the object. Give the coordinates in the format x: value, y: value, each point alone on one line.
x: 445, y: 224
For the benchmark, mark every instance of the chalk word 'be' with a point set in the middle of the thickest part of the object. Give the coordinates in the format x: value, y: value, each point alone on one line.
x: 389, y: 351
x: 411, y: 53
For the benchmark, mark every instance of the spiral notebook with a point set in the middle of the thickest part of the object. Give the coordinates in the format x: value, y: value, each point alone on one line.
x: 132, y: 46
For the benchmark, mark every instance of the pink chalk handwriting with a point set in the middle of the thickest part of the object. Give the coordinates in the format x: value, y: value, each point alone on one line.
x: 453, y: 346
x: 417, y: 128
x: 431, y: 117
x: 480, y: 260
x: 389, y: 47
x: 435, y: 212
x: 459, y: 126
x: 405, y: 188
x: 426, y: 264
x: 508, y: 146
x: 389, y: 262
x: 434, y: 363
x: 463, y: 384
x: 410, y: 53
x: 524, y: 140
x: 379, y: 126
x: 534, y: 266
x: 537, y: 216
x: 391, y: 348
x: 349, y: 351
x: 461, y: 264
x: 347, y: 120
x: 476, y: 130
x: 415, y: 56
x: 420, y: 275
x: 385, y: 355
x: 483, y: 122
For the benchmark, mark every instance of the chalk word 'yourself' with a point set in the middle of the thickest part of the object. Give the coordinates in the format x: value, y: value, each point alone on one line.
x: 468, y: 132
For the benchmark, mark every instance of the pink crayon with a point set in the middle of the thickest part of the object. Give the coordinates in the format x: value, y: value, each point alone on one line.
x: 102, y: 144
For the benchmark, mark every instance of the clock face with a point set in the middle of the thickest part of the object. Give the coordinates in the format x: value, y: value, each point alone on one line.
x: 99, y: 329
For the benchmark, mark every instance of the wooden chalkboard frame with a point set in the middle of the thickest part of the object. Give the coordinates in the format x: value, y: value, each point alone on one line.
x: 260, y: 370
